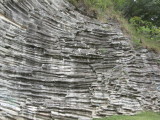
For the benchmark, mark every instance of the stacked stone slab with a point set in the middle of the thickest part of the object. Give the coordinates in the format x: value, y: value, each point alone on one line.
x: 57, y: 64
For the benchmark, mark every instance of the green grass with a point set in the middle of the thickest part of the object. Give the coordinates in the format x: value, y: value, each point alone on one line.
x: 105, y: 8
x: 141, y: 116
x: 99, y: 6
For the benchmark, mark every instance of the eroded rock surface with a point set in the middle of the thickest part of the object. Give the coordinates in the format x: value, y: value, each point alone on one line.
x: 57, y: 64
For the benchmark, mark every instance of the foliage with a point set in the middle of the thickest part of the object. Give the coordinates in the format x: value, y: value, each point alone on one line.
x: 119, y: 4
x: 141, y: 116
x: 145, y: 27
x: 148, y: 10
x: 148, y: 30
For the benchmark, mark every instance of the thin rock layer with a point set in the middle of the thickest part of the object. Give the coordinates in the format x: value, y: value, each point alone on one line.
x: 57, y: 64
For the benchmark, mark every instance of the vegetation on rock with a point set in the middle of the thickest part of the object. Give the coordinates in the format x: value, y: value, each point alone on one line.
x: 139, y: 19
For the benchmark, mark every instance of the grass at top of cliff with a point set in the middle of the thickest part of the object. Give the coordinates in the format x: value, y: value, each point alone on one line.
x: 106, y: 9
x: 141, y: 116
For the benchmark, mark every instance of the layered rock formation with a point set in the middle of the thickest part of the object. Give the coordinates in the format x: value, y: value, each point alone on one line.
x: 57, y: 64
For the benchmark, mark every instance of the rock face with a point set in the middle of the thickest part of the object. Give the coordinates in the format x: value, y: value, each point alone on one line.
x: 57, y: 64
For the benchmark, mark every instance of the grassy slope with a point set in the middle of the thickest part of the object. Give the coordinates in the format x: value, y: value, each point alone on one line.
x: 106, y: 7
x: 142, y: 116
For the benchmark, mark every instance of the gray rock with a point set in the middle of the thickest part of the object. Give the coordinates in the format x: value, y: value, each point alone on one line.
x: 57, y: 64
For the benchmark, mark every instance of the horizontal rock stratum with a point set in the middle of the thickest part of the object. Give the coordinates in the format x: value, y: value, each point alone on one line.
x: 57, y: 64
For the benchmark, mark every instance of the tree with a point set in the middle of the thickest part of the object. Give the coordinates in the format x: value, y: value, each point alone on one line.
x: 148, y: 10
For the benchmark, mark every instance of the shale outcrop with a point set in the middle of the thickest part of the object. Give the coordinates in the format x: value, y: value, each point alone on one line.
x: 57, y: 64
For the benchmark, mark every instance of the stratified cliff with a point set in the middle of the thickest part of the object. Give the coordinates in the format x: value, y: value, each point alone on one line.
x: 57, y: 64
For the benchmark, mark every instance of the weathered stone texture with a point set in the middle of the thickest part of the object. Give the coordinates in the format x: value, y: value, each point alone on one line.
x: 57, y: 64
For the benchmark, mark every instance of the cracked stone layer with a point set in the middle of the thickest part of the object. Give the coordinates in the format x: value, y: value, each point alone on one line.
x: 57, y: 64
